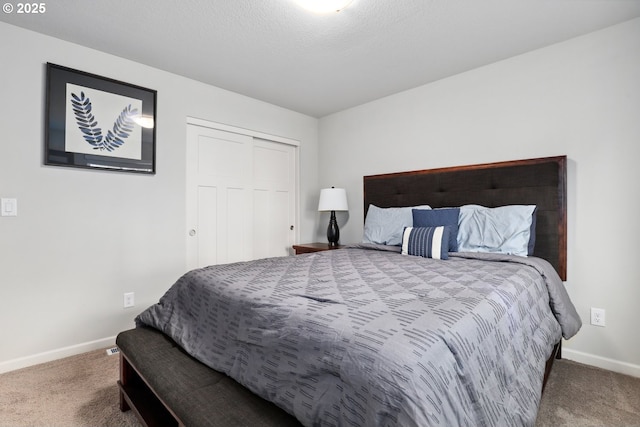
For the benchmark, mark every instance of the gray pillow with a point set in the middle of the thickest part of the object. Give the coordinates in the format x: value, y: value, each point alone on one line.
x: 384, y: 226
x: 505, y: 229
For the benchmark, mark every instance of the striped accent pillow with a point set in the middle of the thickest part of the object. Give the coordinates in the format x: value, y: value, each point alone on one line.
x: 427, y: 242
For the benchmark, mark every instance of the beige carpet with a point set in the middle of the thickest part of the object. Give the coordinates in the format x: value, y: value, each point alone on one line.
x: 584, y: 396
x: 82, y: 391
x: 76, y: 391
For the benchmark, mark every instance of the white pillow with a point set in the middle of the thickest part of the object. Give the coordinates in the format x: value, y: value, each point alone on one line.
x: 384, y: 226
x: 505, y: 229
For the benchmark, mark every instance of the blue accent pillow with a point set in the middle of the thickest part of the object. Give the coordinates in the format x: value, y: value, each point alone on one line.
x: 505, y: 229
x: 427, y: 242
x: 383, y: 226
x: 437, y: 217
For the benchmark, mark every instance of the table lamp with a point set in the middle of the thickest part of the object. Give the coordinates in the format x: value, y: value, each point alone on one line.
x: 333, y: 199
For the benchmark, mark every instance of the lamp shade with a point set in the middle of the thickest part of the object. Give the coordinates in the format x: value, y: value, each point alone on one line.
x: 333, y: 199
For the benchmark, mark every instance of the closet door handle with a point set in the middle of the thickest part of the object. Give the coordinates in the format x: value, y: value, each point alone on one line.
x: 192, y: 232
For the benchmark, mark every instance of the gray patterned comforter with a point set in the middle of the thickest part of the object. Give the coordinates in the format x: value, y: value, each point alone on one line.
x: 363, y: 337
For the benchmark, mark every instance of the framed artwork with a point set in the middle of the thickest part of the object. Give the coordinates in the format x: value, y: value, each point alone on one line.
x: 99, y: 123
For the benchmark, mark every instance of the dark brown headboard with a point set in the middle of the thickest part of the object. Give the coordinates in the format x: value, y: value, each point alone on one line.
x: 541, y: 182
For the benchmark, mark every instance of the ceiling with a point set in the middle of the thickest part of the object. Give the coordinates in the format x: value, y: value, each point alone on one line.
x: 275, y: 51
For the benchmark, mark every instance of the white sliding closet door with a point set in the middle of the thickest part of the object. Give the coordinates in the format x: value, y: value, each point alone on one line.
x: 273, y: 198
x: 241, y: 202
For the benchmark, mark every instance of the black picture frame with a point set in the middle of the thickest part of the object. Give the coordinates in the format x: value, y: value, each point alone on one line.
x: 95, y: 122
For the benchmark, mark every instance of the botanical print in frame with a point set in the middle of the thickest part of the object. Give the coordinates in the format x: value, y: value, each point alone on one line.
x: 97, y: 122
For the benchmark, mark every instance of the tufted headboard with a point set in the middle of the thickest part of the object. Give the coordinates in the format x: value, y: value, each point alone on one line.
x: 541, y: 182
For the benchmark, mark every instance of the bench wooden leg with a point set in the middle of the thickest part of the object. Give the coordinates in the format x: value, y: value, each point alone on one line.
x: 125, y: 374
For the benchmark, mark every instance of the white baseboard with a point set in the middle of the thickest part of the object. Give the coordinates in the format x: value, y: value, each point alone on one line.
x: 48, y: 356
x: 601, y: 362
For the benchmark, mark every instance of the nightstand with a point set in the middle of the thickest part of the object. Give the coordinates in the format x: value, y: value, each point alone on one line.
x: 306, y: 248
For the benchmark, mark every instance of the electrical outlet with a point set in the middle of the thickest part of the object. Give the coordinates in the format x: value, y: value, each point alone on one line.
x: 129, y: 300
x: 113, y: 350
x: 597, y: 316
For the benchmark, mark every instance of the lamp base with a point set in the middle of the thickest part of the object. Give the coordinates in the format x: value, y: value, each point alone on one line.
x: 333, y: 232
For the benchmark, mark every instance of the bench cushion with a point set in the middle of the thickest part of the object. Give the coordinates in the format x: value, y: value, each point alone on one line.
x: 195, y: 393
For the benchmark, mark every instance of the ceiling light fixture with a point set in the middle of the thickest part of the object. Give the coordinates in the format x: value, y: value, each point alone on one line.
x: 324, y: 6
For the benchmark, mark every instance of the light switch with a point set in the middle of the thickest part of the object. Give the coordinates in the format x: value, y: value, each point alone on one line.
x: 9, y: 207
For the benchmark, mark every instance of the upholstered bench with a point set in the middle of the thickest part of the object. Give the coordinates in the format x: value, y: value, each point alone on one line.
x: 165, y: 386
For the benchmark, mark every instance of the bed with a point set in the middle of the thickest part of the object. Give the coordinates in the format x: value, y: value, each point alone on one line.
x: 367, y: 335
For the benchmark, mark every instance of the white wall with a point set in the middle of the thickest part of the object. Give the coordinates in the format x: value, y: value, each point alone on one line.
x: 580, y: 98
x: 82, y: 238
